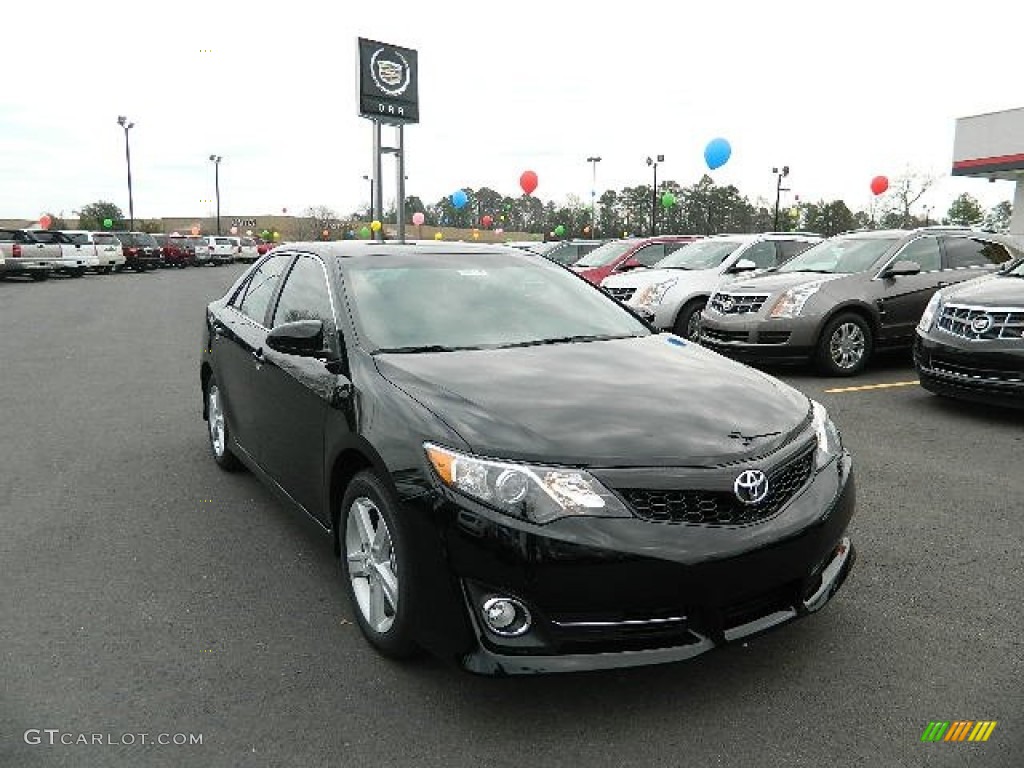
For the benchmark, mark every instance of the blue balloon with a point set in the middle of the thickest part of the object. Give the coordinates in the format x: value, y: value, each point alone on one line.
x: 459, y: 198
x: 716, y: 153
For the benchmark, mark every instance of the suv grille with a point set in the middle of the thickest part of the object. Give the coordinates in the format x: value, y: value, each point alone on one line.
x: 720, y: 507
x: 737, y: 303
x: 621, y: 294
x: 715, y: 334
x: 965, y: 321
x: 956, y: 369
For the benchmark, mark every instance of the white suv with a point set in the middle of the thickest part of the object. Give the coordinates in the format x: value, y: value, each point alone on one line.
x: 676, y: 289
x: 106, y: 248
x: 216, y: 250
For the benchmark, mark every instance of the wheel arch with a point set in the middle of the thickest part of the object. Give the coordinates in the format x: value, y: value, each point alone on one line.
x: 205, y: 372
x: 861, y: 309
x: 701, y: 298
x: 347, y: 463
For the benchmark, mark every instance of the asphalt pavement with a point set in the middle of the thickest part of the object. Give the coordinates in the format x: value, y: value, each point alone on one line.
x: 144, y: 591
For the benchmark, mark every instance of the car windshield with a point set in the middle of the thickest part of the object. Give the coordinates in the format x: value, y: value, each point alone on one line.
x: 104, y: 239
x: 606, y: 254
x: 143, y: 239
x: 704, y: 254
x: 247, y: 241
x: 840, y: 255
x: 1017, y: 271
x: 417, y: 303
x: 79, y: 238
x: 223, y: 241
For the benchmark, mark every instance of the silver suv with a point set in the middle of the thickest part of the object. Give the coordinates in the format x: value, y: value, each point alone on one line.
x: 676, y: 289
x: 837, y: 302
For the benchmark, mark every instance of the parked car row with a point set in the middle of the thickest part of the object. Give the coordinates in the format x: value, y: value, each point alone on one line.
x: 39, y: 253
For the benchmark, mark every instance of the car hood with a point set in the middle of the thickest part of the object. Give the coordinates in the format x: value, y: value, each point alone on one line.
x: 988, y: 291
x: 776, y: 282
x: 641, y: 278
x: 650, y: 401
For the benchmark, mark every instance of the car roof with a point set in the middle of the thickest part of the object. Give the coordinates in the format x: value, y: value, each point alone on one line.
x: 349, y: 248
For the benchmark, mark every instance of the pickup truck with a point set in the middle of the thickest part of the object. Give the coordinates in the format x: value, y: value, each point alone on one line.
x: 71, y: 258
x: 20, y: 254
x: 105, y: 246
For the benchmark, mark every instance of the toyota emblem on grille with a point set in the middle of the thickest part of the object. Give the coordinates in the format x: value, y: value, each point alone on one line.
x: 727, y: 303
x: 981, y: 323
x: 751, y: 486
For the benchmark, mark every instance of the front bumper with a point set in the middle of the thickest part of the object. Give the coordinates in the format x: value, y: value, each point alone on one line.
x: 76, y: 263
x: 605, y: 593
x: 22, y: 266
x: 754, y: 338
x: 983, y: 371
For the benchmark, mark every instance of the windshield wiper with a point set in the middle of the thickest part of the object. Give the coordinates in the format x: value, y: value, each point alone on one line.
x: 570, y: 339
x: 814, y: 271
x: 424, y: 348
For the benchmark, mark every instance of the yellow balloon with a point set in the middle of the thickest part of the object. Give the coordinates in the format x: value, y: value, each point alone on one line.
x: 476, y: 234
x: 438, y: 235
x: 375, y: 225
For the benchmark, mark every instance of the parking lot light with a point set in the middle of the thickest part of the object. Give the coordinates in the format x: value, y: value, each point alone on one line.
x: 654, y: 192
x: 124, y: 123
x: 778, y: 192
x: 216, y: 181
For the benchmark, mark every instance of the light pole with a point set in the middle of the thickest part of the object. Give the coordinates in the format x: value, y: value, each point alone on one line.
x: 927, y: 215
x: 593, y: 194
x: 216, y: 182
x: 779, y: 190
x: 123, y: 122
x: 370, y: 179
x: 654, y: 193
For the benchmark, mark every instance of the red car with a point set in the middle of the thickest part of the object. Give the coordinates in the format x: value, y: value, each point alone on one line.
x: 623, y: 255
x: 176, y: 251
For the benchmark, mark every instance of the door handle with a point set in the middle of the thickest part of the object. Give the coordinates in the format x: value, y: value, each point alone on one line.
x: 944, y: 283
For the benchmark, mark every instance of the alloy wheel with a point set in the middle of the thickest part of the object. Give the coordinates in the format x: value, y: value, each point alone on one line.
x: 372, y: 566
x: 847, y: 346
x: 215, y: 418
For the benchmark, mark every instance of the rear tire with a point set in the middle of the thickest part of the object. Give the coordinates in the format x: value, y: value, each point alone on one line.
x: 79, y: 272
x: 217, y: 429
x: 376, y: 566
x: 845, y: 345
x: 40, y: 276
x: 686, y: 324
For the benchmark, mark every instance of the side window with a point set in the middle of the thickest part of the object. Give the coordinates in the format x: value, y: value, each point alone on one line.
x: 672, y: 247
x: 260, y: 289
x: 650, y: 254
x: 924, y: 251
x: 763, y: 254
x: 968, y: 252
x: 305, y: 295
x: 790, y: 248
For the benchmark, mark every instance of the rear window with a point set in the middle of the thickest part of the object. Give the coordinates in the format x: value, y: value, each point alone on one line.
x: 104, y: 239
x: 223, y: 241
x: 80, y: 238
x: 248, y: 241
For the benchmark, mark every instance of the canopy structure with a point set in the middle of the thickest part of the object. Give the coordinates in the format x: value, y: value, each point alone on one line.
x: 991, y: 146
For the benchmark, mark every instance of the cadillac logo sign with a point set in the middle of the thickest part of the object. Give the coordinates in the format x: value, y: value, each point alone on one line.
x: 981, y: 323
x: 388, y: 83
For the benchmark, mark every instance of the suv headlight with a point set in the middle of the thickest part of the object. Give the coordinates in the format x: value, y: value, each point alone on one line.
x: 933, y: 309
x: 654, y: 293
x: 534, y: 493
x: 830, y: 442
x: 792, y: 301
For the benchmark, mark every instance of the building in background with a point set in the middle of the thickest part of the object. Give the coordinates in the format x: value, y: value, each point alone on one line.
x: 991, y: 146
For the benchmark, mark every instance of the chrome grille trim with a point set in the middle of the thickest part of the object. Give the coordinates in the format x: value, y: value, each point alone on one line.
x: 737, y: 303
x: 1006, y: 322
x: 621, y: 294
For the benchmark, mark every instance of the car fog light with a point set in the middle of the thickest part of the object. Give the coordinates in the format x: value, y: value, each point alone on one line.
x: 506, y: 616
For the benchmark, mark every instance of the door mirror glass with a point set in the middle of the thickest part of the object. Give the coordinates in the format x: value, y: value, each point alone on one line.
x: 304, y: 338
x: 903, y: 268
x: 743, y: 265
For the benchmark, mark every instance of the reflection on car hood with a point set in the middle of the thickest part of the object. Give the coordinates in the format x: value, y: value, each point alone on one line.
x: 772, y: 282
x: 650, y: 401
x: 641, y: 278
x: 988, y: 291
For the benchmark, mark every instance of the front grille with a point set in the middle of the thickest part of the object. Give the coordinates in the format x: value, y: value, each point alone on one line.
x: 1007, y: 374
x: 979, y: 323
x: 737, y: 303
x: 720, y: 507
x: 773, y: 337
x: 621, y: 294
x: 714, y: 334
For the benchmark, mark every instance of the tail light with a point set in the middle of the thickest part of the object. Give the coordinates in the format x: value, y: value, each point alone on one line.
x: 16, y: 250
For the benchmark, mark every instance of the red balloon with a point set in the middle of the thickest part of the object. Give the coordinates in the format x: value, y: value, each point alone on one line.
x: 45, y: 221
x: 486, y: 220
x: 879, y: 184
x: 528, y: 181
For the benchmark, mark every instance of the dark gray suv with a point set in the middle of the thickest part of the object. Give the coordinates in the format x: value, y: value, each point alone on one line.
x: 837, y: 302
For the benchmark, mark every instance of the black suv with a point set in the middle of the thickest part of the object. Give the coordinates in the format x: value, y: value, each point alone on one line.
x: 846, y: 296
x: 141, y: 250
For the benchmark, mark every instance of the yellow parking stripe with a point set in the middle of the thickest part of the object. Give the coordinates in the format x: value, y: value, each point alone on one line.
x: 868, y: 387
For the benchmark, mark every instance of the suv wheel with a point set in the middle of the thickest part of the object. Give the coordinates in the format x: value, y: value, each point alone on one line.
x: 375, y: 565
x: 845, y: 345
x: 687, y: 322
x: 40, y: 275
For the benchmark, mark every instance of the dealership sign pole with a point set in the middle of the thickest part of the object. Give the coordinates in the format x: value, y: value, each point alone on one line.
x: 388, y: 95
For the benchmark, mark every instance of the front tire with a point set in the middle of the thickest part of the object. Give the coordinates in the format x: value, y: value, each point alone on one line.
x: 217, y: 429
x: 40, y: 276
x: 375, y: 565
x: 845, y: 345
x: 687, y: 322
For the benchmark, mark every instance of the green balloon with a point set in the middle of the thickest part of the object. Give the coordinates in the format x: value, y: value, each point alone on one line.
x: 108, y: 223
x: 559, y: 230
x: 668, y: 200
x: 364, y: 232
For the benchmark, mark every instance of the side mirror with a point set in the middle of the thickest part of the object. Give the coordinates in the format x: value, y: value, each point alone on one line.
x: 743, y: 265
x: 304, y: 338
x: 628, y: 265
x: 902, y: 268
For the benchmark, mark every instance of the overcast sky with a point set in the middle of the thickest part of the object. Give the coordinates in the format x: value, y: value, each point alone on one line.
x: 839, y: 92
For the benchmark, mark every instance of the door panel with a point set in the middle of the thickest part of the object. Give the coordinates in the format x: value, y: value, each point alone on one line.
x: 903, y: 298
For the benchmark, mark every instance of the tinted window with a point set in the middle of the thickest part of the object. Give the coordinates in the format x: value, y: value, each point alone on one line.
x: 260, y: 288
x: 762, y: 254
x: 46, y: 237
x: 305, y: 295
x: 650, y: 254
x: 79, y: 238
x: 7, y: 237
x: 968, y: 252
x: 790, y: 248
x: 925, y: 252
x: 606, y: 254
x: 104, y: 239
x: 840, y: 255
x: 223, y: 241
x: 567, y: 254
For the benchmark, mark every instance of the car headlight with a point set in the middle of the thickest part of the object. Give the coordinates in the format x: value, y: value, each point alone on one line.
x: 830, y: 442
x: 933, y: 309
x: 653, y: 294
x: 534, y: 493
x: 792, y: 301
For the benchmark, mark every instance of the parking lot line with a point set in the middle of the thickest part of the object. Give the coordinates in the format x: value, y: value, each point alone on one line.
x: 867, y: 387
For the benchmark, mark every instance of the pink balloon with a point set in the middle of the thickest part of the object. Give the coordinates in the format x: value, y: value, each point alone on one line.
x: 418, y: 218
x: 234, y: 230
x: 499, y: 231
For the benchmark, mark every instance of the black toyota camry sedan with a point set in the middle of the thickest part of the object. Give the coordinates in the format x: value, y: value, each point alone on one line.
x: 518, y: 473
